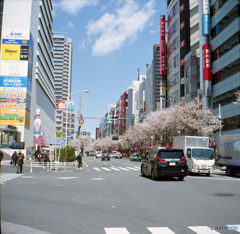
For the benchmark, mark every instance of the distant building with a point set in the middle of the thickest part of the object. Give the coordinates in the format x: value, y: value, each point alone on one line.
x: 62, y: 51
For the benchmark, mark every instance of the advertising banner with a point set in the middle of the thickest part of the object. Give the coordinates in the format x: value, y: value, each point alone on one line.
x: 206, y: 7
x: 12, y: 95
x: 13, y: 81
x: 162, y: 45
x: 13, y: 89
x: 206, y: 25
x: 11, y: 52
x: 163, y: 88
x: 14, y: 117
x: 15, y: 34
x: 14, y: 68
x: 206, y: 50
x: 15, y: 42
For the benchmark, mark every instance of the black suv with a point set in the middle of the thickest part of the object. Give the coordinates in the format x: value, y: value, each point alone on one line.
x: 164, y: 163
x: 105, y: 157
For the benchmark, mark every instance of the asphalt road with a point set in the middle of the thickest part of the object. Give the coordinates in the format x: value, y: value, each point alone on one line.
x: 112, y: 197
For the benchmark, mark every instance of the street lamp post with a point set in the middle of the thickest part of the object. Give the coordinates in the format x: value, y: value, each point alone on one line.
x: 86, y: 91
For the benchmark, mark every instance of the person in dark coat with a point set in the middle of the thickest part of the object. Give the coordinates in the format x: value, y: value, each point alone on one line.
x: 20, y: 161
x: 79, y: 159
x: 45, y: 159
x: 36, y: 155
x: 1, y: 157
x: 14, y: 158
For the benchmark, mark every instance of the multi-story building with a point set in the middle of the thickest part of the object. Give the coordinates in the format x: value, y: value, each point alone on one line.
x: 64, y: 115
x: 225, y: 46
x: 62, y: 66
x: 149, y: 88
x: 27, y: 30
x: 123, y: 106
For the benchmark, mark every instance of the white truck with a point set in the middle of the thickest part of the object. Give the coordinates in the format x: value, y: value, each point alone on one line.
x: 229, y: 153
x: 200, y: 158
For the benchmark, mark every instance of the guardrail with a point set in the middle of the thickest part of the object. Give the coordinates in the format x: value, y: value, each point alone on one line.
x: 53, y: 166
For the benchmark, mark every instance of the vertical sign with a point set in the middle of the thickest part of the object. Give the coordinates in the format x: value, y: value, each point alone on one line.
x: 206, y: 62
x: 162, y: 45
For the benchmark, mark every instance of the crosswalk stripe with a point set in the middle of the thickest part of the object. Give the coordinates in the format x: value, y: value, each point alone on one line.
x: 116, y: 231
x: 160, y: 230
x: 115, y: 169
x: 132, y: 168
x: 7, y: 176
x: 203, y: 230
x: 122, y: 168
x: 106, y: 169
x: 97, y: 169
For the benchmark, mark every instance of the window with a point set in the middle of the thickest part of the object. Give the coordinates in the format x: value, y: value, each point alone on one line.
x: 187, y: 72
x: 217, y: 6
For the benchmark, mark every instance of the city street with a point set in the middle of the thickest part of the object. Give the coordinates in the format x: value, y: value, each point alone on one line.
x: 112, y: 197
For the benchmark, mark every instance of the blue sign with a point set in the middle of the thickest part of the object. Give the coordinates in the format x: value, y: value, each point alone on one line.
x: 15, y: 42
x: 67, y: 107
x: 206, y: 24
x: 58, y: 138
x: 37, y: 133
x: 13, y: 81
x: 69, y: 134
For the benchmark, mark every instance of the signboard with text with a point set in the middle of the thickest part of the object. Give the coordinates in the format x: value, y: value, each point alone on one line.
x: 162, y: 45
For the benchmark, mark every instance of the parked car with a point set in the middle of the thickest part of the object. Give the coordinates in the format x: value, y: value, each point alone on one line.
x: 164, y: 163
x: 98, y: 155
x: 105, y: 156
x: 118, y: 155
x: 135, y: 157
x: 92, y: 153
x: 111, y: 155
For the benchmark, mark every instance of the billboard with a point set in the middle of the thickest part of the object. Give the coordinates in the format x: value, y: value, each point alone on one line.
x: 14, y: 117
x: 206, y: 25
x: 206, y: 50
x: 11, y: 52
x: 14, y: 68
x: 162, y: 45
x: 13, y: 81
x: 15, y: 42
x: 15, y: 34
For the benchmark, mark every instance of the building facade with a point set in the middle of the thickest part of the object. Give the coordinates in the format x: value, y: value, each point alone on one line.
x: 27, y: 30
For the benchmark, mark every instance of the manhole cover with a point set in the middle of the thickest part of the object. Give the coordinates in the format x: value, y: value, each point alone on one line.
x: 224, y: 194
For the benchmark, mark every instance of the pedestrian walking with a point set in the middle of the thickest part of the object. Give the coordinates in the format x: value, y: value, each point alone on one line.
x: 20, y: 161
x: 14, y: 158
x: 79, y: 159
x: 45, y: 159
x: 1, y: 157
x: 36, y: 155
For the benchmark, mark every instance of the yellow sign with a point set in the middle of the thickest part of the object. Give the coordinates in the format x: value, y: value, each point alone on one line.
x: 13, y: 95
x: 11, y: 52
x: 14, y: 117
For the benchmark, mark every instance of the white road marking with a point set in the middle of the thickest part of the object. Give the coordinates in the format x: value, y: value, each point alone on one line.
x: 212, y: 178
x: 85, y: 163
x: 133, y: 168
x: 97, y: 169
x: 115, y: 169
x: 106, y: 169
x: 160, y: 230
x: 116, y: 231
x: 66, y: 178
x: 203, y: 230
x: 122, y: 168
x: 4, y: 177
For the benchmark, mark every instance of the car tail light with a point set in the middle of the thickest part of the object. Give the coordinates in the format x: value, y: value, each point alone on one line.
x: 160, y: 159
x: 183, y: 159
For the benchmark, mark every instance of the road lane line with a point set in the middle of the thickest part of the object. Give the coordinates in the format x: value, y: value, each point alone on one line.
x: 106, y: 169
x: 160, y: 230
x: 97, y: 169
x: 114, y: 168
x: 203, y: 230
x: 132, y: 168
x: 122, y: 168
x: 85, y: 163
x: 211, y: 178
x: 116, y: 231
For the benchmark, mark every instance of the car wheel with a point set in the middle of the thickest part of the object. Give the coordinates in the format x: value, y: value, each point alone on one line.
x: 142, y: 172
x: 153, y: 175
x: 181, y: 178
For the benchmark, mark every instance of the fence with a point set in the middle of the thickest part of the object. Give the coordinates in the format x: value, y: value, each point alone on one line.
x: 54, y: 166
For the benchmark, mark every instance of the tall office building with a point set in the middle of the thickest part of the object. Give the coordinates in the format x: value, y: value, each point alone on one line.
x: 62, y: 66
x: 26, y: 72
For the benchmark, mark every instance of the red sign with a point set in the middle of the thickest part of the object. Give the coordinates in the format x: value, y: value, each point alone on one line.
x: 182, y: 43
x: 80, y: 122
x: 61, y: 104
x: 182, y: 61
x: 182, y: 25
x: 206, y: 50
x: 162, y: 45
x: 182, y: 7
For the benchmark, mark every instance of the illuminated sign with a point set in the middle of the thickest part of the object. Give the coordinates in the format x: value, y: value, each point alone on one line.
x: 206, y: 25
x: 13, y: 81
x: 14, y: 68
x: 11, y: 52
x: 162, y: 45
x: 61, y: 104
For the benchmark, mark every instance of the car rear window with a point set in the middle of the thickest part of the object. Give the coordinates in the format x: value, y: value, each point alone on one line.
x: 170, y: 154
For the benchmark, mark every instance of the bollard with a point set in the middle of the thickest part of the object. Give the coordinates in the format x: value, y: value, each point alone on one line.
x: 31, y: 167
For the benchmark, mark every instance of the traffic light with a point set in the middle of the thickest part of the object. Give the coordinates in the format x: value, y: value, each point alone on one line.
x: 115, y: 138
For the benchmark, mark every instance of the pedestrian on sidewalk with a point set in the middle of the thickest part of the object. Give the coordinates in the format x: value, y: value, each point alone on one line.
x: 45, y: 159
x: 14, y: 158
x: 79, y: 159
x: 20, y: 161
x: 1, y: 157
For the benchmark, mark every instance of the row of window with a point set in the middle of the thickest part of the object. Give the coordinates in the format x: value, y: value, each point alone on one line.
x: 226, y: 72
x: 226, y: 46
x: 174, y: 62
x: 173, y: 46
x: 173, y: 11
x: 217, y: 6
x: 225, y: 98
x: 231, y: 123
x: 174, y: 80
x: 226, y: 21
